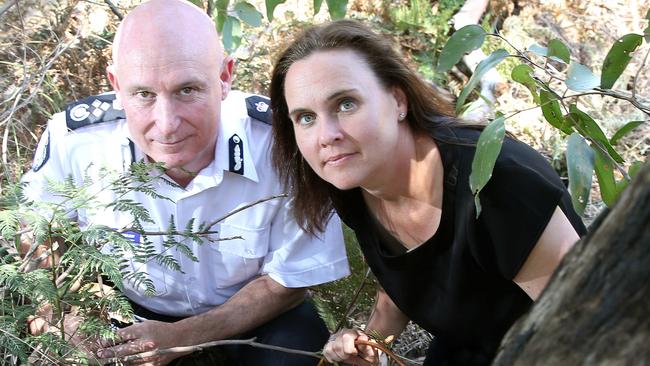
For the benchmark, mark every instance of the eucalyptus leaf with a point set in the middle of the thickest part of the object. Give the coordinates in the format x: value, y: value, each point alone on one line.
x: 618, y: 58
x: 559, y: 51
x: 488, y: 148
x: 270, y: 7
x: 593, y: 130
x: 522, y: 74
x: 634, y: 169
x: 248, y: 13
x: 198, y: 3
x: 537, y: 49
x: 624, y: 130
x: 580, y: 78
x: 337, y: 8
x: 317, y: 5
x: 551, y: 109
x: 606, y: 180
x: 463, y: 41
x: 220, y: 14
x: 580, y: 166
x: 483, y: 67
x: 231, y: 34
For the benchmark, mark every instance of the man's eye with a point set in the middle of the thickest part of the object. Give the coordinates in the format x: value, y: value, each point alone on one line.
x: 347, y: 105
x: 186, y: 91
x: 144, y: 94
x: 306, y: 119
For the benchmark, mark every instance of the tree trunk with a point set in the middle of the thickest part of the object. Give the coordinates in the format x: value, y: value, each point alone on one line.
x: 596, y: 309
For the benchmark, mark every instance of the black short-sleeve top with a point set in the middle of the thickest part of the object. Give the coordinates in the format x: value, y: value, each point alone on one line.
x: 458, y: 284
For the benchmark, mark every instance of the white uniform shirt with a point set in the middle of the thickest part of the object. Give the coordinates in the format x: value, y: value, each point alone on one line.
x: 272, y: 242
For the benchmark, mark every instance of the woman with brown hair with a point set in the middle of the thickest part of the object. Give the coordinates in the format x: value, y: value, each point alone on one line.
x: 358, y: 131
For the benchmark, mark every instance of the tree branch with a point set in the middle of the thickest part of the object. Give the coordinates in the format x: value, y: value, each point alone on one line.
x: 114, y: 9
x: 199, y: 347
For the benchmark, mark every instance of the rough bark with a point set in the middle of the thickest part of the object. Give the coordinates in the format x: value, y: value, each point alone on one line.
x: 596, y: 309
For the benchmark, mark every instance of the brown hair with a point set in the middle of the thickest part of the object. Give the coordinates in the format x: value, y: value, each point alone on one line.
x: 428, y: 108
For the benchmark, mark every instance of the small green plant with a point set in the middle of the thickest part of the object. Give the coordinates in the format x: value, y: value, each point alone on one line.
x: 228, y: 17
x: 557, y: 94
x: 71, y: 284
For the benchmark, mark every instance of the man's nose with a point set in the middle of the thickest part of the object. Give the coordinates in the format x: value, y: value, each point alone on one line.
x: 166, y: 116
x: 329, y: 131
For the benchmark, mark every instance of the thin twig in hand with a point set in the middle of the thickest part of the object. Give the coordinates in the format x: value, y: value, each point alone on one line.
x: 199, y: 347
x: 211, y: 224
x: 381, y: 347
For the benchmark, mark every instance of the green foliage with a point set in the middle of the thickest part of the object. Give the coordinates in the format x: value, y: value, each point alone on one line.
x: 345, y: 299
x: 483, y: 67
x: 92, y: 252
x: 559, y: 51
x: 248, y: 13
x: 617, y: 59
x: 465, y: 40
x: 522, y: 74
x: 580, y: 78
x: 580, y: 163
x: 488, y: 148
x: 588, y: 148
x: 228, y: 17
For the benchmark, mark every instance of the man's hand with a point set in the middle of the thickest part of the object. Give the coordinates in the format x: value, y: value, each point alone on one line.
x: 341, y: 348
x: 148, y: 336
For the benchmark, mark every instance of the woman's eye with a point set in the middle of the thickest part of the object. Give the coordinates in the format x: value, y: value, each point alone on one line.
x: 347, y: 105
x: 306, y: 119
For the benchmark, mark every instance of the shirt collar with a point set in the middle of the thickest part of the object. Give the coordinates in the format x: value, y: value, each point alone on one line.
x: 222, y: 154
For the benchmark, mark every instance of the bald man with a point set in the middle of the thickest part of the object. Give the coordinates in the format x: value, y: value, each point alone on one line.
x: 172, y: 104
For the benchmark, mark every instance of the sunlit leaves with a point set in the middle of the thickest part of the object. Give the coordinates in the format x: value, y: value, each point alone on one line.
x: 537, y: 49
x: 488, y: 148
x: 624, y: 130
x: 337, y: 8
x: 618, y: 58
x: 523, y: 75
x: 606, y: 180
x: 317, y: 5
x: 464, y: 40
x: 483, y: 67
x: 249, y: 14
x: 270, y: 7
x: 559, y: 51
x: 580, y: 78
x: 580, y: 166
x: 590, y: 128
x: 552, y: 112
x: 231, y: 33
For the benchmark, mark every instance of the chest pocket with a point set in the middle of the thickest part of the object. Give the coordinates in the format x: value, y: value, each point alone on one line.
x: 241, y: 257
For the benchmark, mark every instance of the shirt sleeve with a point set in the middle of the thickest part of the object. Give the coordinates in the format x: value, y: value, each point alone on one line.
x: 299, y: 259
x: 49, y: 165
x: 517, y: 204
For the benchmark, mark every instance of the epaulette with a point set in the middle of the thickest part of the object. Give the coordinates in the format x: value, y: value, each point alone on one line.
x: 258, y: 107
x: 92, y: 110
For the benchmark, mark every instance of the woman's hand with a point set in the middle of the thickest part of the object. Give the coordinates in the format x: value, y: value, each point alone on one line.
x: 341, y: 348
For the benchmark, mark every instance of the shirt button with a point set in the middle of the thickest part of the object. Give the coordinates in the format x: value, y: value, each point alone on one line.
x: 192, y: 279
x: 248, y: 251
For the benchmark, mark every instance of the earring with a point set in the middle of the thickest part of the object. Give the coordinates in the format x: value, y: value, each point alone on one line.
x: 401, y: 117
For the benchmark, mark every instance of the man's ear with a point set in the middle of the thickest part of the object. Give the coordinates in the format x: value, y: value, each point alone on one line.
x: 226, y: 76
x: 111, y: 73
